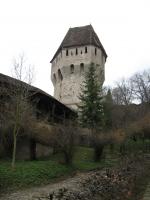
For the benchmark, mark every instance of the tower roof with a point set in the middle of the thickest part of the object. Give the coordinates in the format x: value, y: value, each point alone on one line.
x: 79, y: 36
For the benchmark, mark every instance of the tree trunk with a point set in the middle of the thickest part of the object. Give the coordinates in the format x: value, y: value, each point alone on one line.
x: 68, y: 158
x: 98, y: 151
x: 32, y: 149
x: 14, y: 147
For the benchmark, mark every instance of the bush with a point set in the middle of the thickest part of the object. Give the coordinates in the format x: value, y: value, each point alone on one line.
x: 65, y: 139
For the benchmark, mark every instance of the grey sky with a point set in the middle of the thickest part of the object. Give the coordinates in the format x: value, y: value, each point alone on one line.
x: 36, y: 27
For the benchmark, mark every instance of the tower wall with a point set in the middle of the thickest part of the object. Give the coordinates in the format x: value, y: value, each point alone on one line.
x: 68, y: 68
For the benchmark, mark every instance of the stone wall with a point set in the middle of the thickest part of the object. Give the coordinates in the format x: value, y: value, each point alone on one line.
x: 68, y: 71
x: 23, y: 150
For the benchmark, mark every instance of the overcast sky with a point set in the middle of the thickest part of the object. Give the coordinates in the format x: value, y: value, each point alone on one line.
x: 37, y: 27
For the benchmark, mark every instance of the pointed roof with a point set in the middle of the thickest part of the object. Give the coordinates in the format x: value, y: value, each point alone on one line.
x: 79, y: 36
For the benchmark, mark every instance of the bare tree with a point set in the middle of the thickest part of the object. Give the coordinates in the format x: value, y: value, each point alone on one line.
x: 21, y: 70
x: 123, y: 93
x: 19, y: 110
x: 65, y: 139
x: 141, y: 86
x: 123, y: 97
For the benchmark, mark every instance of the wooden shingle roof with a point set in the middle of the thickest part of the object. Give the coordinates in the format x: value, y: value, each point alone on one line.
x: 80, y: 36
x: 11, y: 83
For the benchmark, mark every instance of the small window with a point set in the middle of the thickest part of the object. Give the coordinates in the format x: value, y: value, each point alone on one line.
x: 67, y: 53
x: 85, y: 49
x: 54, y: 78
x: 72, y: 69
x: 81, y: 67
x: 60, y: 75
x: 61, y: 54
x: 95, y: 51
x: 76, y: 51
x: 81, y: 51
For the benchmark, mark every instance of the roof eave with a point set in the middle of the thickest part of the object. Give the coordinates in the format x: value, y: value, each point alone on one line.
x: 101, y: 47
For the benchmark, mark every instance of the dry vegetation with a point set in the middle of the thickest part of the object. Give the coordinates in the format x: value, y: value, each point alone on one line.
x: 126, y: 132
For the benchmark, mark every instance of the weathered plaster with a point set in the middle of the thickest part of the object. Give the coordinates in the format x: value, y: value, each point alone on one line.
x: 66, y: 84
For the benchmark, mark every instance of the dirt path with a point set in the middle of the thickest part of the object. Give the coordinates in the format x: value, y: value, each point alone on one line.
x: 35, y: 192
x: 81, y: 185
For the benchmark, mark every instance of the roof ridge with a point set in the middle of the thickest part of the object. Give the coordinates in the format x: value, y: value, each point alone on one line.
x: 89, y: 25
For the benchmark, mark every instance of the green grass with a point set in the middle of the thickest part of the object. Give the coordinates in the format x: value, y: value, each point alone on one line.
x: 83, y: 160
x: 32, y: 173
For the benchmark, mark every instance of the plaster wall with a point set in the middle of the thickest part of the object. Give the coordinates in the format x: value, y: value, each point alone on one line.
x: 66, y: 83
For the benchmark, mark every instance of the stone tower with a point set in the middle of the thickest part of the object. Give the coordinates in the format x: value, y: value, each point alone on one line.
x: 80, y: 47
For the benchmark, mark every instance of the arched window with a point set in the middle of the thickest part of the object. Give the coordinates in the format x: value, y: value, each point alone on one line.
x: 71, y: 68
x: 76, y: 51
x: 67, y: 53
x: 81, y: 67
x: 54, y: 78
x: 60, y: 77
x: 85, y: 49
x: 95, y: 51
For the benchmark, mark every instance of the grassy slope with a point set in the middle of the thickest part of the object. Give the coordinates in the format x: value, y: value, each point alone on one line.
x: 31, y: 173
